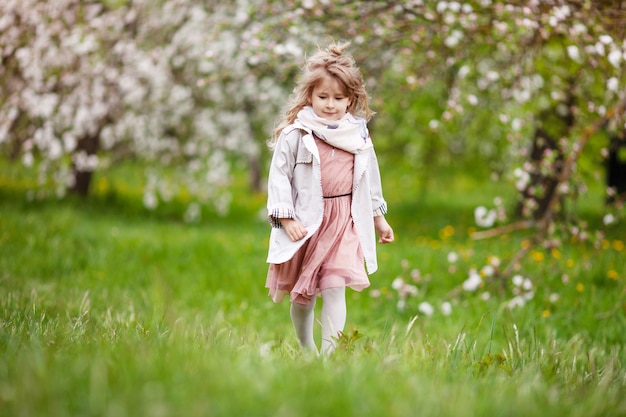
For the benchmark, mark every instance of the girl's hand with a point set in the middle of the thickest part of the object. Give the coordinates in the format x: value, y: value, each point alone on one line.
x: 294, y: 229
x: 385, y: 232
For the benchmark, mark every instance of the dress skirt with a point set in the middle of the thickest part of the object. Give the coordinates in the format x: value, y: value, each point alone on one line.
x: 332, y: 256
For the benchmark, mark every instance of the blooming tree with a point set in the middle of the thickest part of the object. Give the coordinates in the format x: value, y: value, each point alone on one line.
x: 87, y: 84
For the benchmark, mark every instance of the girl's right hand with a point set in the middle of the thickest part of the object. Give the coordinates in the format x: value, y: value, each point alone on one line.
x: 294, y: 229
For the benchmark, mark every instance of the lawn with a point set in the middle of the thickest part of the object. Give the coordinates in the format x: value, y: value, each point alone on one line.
x: 109, y: 310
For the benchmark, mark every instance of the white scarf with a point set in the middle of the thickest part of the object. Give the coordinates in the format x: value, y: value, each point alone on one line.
x: 348, y: 133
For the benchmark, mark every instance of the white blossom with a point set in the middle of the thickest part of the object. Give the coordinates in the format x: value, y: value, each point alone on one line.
x: 463, y: 72
x: 28, y: 159
x: 573, y: 53
x: 453, y: 257
x: 473, y: 281
x: 515, y: 302
x: 454, y: 38
x: 527, y: 284
x: 150, y: 200
x: 615, y: 58
x: 426, y: 308
x: 484, y: 217
x: 608, y: 219
x: 446, y: 308
x: 600, y: 49
x: 397, y: 283
x: 487, y: 270
x: 606, y: 39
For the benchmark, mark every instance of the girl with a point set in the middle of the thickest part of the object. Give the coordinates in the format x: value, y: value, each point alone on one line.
x: 324, y: 197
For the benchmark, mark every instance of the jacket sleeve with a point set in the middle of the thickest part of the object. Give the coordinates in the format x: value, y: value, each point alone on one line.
x: 280, y: 202
x: 379, y: 204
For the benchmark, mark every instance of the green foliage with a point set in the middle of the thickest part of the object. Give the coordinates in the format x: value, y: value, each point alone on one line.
x: 107, y: 309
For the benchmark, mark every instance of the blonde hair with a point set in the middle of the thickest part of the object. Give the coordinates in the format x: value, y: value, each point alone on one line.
x: 333, y: 63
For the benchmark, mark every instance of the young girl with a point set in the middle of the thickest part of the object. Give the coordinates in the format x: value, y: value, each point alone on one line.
x: 324, y: 197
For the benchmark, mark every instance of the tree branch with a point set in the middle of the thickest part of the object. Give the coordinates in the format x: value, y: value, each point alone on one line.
x: 508, y: 228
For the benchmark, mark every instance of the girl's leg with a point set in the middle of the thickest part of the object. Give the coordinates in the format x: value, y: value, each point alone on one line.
x: 302, y: 317
x: 333, y: 316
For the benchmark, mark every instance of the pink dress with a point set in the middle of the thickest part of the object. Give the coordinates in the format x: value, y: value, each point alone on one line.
x: 332, y: 257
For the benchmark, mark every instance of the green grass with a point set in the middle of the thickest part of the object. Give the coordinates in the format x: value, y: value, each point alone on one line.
x: 108, y: 310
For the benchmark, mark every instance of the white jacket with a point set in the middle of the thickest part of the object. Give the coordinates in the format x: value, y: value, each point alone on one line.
x: 295, y: 190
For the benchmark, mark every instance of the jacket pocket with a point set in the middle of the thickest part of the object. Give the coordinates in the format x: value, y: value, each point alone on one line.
x: 304, y: 156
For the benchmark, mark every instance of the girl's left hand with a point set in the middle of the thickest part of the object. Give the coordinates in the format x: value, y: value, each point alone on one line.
x: 384, y: 230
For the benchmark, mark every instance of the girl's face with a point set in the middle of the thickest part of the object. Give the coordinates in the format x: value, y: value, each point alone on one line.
x: 329, y: 100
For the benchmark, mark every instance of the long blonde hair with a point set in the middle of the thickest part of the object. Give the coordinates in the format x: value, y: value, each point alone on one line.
x: 329, y: 62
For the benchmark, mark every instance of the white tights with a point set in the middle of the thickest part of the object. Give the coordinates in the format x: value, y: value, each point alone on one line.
x: 333, y: 320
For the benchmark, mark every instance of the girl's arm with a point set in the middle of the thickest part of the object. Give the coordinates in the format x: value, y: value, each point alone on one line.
x: 280, y: 203
x: 384, y: 230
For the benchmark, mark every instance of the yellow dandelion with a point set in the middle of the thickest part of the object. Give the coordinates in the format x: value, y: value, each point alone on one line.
x: 103, y: 186
x: 447, y: 232
x: 580, y: 287
x: 434, y: 244
x: 545, y: 313
x: 526, y: 244
x: 618, y: 245
x: 537, y: 256
x: 556, y: 253
x: 612, y: 274
x: 570, y: 263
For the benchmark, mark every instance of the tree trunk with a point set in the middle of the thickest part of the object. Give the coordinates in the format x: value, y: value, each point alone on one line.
x: 255, y: 174
x: 552, y: 125
x: 616, y: 168
x: 88, y: 144
x: 541, y: 186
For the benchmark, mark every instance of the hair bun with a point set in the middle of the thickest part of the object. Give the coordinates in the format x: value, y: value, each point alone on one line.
x: 337, y: 49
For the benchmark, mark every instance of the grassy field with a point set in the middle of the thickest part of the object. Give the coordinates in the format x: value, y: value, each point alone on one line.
x: 108, y: 310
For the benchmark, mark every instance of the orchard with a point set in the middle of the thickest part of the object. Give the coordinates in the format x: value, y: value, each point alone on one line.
x: 533, y: 91
x: 133, y: 229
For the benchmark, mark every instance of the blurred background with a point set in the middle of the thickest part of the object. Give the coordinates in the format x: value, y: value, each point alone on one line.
x: 186, y: 93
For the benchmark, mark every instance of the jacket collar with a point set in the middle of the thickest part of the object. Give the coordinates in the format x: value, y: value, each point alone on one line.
x: 308, y: 140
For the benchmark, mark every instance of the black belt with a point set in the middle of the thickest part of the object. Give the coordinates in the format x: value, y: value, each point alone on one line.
x: 337, y: 196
